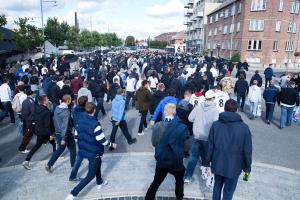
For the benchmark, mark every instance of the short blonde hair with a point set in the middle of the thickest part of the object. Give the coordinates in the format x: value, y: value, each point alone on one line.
x: 170, y: 109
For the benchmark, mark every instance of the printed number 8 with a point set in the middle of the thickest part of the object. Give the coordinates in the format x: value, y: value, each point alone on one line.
x: 221, y: 103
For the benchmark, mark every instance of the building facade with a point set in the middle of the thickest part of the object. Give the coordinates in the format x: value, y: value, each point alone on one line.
x: 178, y: 42
x: 260, y: 31
x: 196, y: 11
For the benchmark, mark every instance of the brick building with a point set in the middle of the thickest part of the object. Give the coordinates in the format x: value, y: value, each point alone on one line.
x: 261, y: 31
x: 165, y: 37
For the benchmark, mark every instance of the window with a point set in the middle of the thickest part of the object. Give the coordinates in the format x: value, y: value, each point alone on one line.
x: 208, y: 45
x: 240, y: 8
x: 211, y: 19
x: 256, y: 25
x: 289, y: 46
x: 292, y: 27
x: 216, y: 31
x: 225, y: 29
x: 258, y: 5
x: 231, y: 28
x: 280, y: 5
x: 221, y: 14
x: 210, y: 33
x: 295, y: 8
x: 233, y: 10
x: 217, y: 17
x: 275, y: 46
x: 277, y: 28
x: 238, y: 27
x: 254, y: 45
x: 226, y: 13
x: 220, y: 28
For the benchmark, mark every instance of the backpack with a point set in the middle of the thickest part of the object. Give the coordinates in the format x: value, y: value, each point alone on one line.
x: 16, y: 105
x: 168, y: 154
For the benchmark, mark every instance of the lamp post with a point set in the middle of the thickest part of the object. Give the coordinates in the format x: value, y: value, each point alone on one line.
x: 42, y: 16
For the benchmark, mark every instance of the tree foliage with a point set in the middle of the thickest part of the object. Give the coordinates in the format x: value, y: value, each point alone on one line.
x: 3, y: 22
x: 130, y: 41
x: 55, y: 32
x: 157, y: 44
x: 27, y: 37
x: 236, y: 57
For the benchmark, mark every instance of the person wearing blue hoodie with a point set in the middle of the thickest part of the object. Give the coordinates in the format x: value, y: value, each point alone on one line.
x: 118, y: 118
x: 229, y: 151
x: 161, y: 106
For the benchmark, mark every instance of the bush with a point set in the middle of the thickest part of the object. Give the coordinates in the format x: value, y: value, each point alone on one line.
x: 296, y: 54
x: 236, y: 58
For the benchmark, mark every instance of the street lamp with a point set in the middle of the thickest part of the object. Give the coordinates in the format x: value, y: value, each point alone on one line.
x: 42, y: 15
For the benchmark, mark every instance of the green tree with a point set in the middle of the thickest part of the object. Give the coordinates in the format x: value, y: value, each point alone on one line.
x: 236, y: 57
x: 27, y: 37
x: 3, y: 22
x: 158, y: 44
x: 130, y: 41
x: 56, y: 32
x: 72, y: 40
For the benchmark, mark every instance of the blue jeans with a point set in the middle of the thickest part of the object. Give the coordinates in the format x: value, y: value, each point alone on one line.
x: 76, y: 167
x: 199, y: 147
x: 7, y: 109
x: 100, y: 106
x: 229, y: 185
x: 286, y: 116
x: 269, y: 111
x: 253, y: 108
x: 94, y: 170
x: 70, y: 143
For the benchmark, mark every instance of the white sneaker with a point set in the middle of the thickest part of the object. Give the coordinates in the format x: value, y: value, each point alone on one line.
x: 146, y: 129
x: 105, y: 182
x: 26, y: 165
x: 70, y: 197
x: 142, y: 133
x: 25, y: 151
x: 187, y: 181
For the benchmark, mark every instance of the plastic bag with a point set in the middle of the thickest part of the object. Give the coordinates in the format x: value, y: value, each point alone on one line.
x: 258, y: 111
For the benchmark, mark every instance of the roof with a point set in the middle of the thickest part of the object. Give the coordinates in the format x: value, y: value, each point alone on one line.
x: 179, y: 36
x: 223, y: 5
x: 7, y: 44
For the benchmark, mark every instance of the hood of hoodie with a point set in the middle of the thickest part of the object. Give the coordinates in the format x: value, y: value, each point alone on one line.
x: 39, y: 109
x: 79, y: 109
x: 119, y: 98
x: 170, y: 99
x: 84, y: 91
x: 228, y: 117
x: 208, y: 105
x: 62, y: 108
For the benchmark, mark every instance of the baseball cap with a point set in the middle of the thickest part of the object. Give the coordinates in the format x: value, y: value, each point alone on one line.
x: 210, y: 94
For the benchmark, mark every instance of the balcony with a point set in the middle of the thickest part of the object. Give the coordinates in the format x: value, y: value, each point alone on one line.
x: 189, y: 22
x: 186, y: 5
x: 185, y: 23
x: 190, y: 11
x: 194, y: 19
x: 190, y: 2
x: 199, y: 26
x: 199, y: 15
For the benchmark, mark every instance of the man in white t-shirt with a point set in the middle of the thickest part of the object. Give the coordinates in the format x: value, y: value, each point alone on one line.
x: 197, y: 98
x: 221, y: 98
x: 153, y: 81
x: 130, y: 90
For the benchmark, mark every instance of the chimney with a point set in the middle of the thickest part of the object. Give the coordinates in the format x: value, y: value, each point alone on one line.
x: 76, y: 21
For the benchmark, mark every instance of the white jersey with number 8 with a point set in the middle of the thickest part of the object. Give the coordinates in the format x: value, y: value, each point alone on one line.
x: 196, y: 100
x: 221, y: 98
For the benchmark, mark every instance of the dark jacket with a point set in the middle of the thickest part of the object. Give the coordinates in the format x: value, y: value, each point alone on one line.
x: 166, y: 80
x: 230, y: 146
x: 66, y: 90
x: 288, y: 96
x: 156, y: 98
x: 54, y: 93
x: 270, y: 94
x: 143, y: 96
x: 113, y: 90
x: 28, y: 107
x: 77, y: 113
x: 241, y: 87
x: 76, y: 84
x: 258, y: 78
x: 269, y: 73
x: 183, y: 110
x: 98, y: 89
x: 169, y: 152
x: 43, y: 121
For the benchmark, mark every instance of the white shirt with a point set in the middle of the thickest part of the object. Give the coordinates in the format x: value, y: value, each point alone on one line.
x: 254, y: 94
x: 5, y: 93
x: 130, y: 84
x: 221, y: 98
x: 214, y: 72
x: 60, y: 84
x: 203, y: 69
x: 190, y: 71
x: 153, y: 82
x: 196, y: 100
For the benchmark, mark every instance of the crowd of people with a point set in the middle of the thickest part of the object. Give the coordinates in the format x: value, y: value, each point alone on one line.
x: 190, y: 100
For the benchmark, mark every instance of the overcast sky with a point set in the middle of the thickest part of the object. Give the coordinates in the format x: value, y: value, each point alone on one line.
x: 141, y: 18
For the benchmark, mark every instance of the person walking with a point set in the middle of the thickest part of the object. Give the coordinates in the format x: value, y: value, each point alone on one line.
x: 28, y: 107
x: 241, y: 89
x: 91, y: 142
x: 157, y: 96
x: 84, y: 91
x: 268, y: 75
x: 270, y: 96
x: 54, y: 92
x: 229, y: 151
x: 44, y: 128
x: 76, y: 84
x: 169, y: 138
x: 143, y: 96
x: 288, y: 98
x: 6, y: 99
x: 118, y: 118
x: 130, y: 90
x: 202, y: 116
x: 254, y: 97
x: 98, y: 90
x: 227, y: 84
x: 256, y: 77
x: 63, y: 124
x: 221, y: 98
x: 19, y: 98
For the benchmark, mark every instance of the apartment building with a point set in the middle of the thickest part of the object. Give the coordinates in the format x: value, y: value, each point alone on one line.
x: 261, y: 31
x: 196, y: 11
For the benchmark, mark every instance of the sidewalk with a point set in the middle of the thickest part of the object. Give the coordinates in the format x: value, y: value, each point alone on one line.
x: 130, y: 174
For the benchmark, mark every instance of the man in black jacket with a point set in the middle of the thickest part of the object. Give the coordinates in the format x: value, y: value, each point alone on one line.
x: 28, y: 107
x: 257, y: 77
x: 241, y: 89
x: 288, y: 98
x: 66, y: 89
x: 54, y: 92
x: 44, y: 128
x: 230, y: 151
x: 98, y: 90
